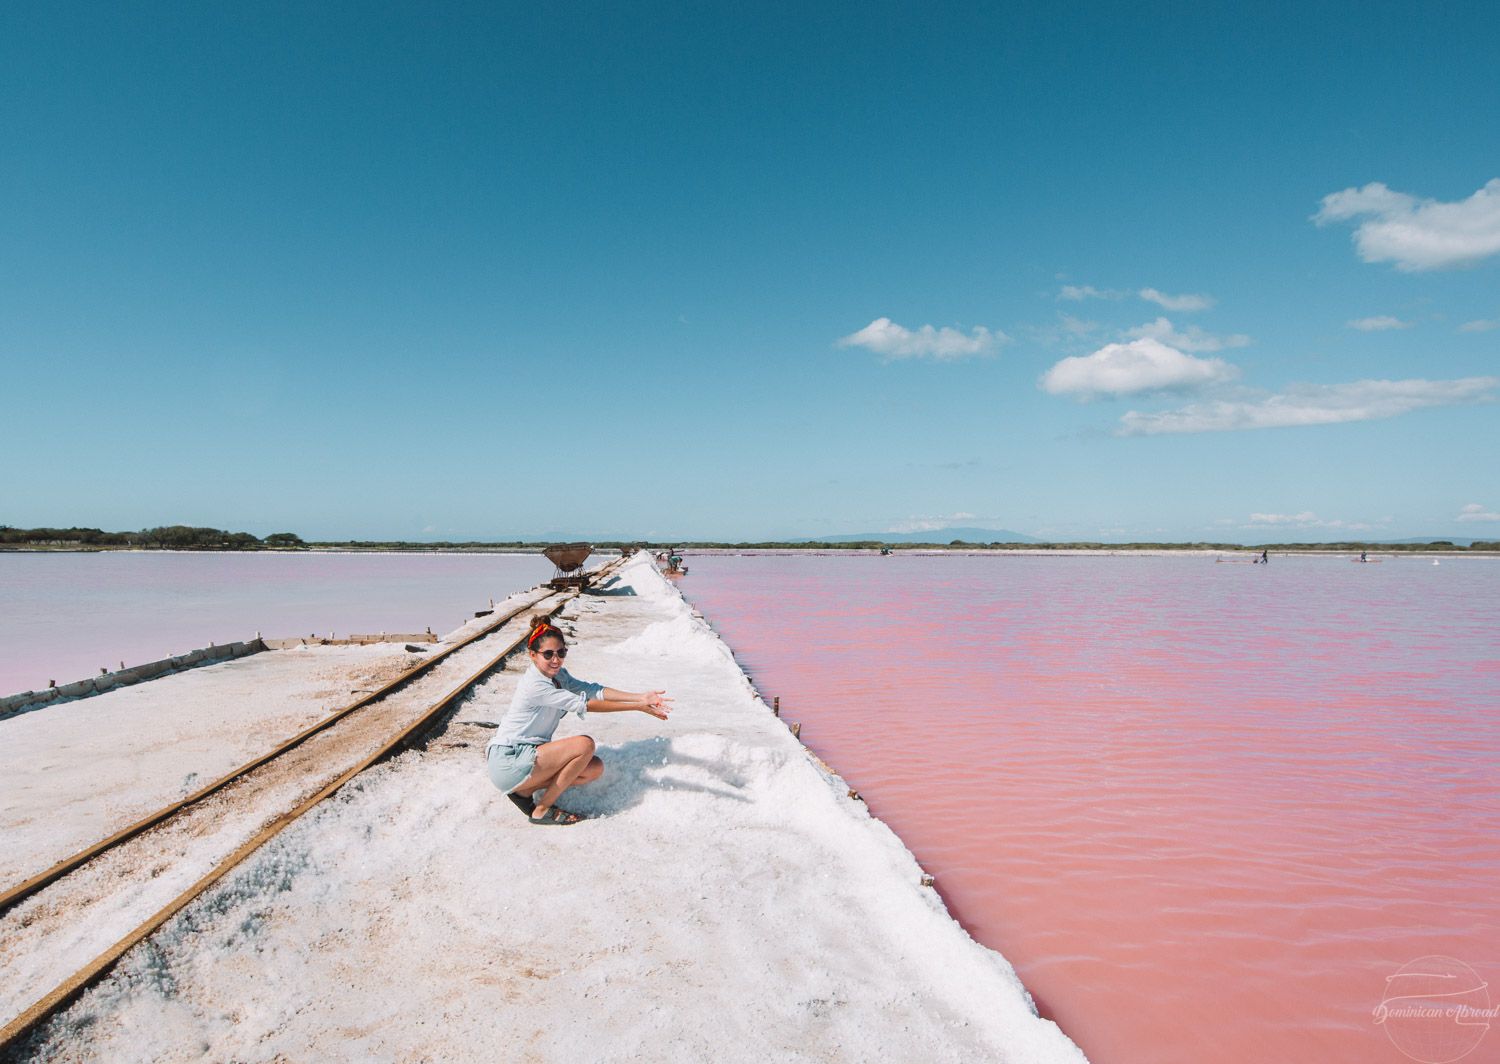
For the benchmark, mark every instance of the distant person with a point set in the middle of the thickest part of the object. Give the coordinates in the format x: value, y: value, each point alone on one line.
x: 524, y: 758
x: 1265, y: 558
x: 1363, y: 556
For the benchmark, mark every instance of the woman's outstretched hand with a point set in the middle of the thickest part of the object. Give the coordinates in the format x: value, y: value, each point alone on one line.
x: 657, y: 704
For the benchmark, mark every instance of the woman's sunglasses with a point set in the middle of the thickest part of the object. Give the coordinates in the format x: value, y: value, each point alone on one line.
x: 560, y: 652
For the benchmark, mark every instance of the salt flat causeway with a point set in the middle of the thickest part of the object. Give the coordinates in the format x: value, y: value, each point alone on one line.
x: 997, y: 381
x: 1207, y: 810
x: 63, y: 616
x: 727, y: 900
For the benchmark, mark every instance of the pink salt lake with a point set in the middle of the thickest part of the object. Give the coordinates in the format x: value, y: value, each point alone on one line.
x: 1205, y: 809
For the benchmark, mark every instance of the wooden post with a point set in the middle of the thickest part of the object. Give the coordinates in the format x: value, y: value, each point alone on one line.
x: 797, y: 730
x: 776, y: 705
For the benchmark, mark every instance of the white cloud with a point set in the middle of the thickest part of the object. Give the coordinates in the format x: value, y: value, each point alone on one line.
x: 930, y: 524
x: 1142, y: 365
x: 1475, y: 512
x: 1479, y: 325
x: 1076, y: 293
x: 1305, y: 519
x: 1378, y: 324
x: 1312, y: 404
x: 1190, y: 339
x: 1183, y: 302
x: 892, y: 341
x: 1066, y: 330
x: 1418, y: 234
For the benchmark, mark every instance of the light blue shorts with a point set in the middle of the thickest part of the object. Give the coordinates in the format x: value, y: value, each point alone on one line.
x: 510, y: 765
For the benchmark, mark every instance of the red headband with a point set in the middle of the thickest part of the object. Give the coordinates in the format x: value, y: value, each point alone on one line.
x: 539, y: 631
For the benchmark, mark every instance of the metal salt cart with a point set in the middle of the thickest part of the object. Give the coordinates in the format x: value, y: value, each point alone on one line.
x: 569, y: 559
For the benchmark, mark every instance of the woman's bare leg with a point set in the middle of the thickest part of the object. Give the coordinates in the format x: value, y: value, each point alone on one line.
x: 592, y: 771
x: 561, y: 764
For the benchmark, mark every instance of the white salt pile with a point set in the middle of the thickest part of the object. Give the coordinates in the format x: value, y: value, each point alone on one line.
x: 727, y: 902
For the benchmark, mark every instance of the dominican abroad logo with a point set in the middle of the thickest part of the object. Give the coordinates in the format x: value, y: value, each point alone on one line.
x: 1435, y: 1010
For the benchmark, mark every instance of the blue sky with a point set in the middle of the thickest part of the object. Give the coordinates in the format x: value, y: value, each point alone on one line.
x: 449, y: 271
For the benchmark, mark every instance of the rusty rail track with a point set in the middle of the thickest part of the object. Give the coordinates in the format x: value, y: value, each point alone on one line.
x: 67, y: 991
x: 21, y: 891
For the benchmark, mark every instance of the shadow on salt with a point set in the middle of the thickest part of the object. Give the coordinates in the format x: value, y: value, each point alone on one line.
x: 635, y: 769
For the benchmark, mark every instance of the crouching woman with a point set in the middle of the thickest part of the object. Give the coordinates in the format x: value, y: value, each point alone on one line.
x: 524, y: 758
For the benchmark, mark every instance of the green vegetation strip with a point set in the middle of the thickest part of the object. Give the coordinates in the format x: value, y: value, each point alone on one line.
x: 184, y: 537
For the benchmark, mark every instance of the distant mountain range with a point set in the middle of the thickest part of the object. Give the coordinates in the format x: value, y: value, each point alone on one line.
x: 934, y: 535
x: 1002, y: 535
x: 1457, y: 541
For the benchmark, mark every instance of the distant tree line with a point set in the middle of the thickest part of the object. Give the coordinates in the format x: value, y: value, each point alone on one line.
x: 165, y: 537
x: 875, y: 544
x: 960, y: 544
x: 187, y: 537
x: 430, y: 545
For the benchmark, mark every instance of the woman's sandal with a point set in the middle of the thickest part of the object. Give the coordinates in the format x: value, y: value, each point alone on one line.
x: 555, y: 817
x: 523, y: 803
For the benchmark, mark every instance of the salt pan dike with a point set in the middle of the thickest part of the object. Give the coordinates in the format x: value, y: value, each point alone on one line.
x: 727, y: 901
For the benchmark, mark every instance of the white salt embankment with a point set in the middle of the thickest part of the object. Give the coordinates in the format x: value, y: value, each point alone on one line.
x: 726, y: 902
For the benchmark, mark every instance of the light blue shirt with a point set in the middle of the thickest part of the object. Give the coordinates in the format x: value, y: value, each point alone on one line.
x: 539, y: 704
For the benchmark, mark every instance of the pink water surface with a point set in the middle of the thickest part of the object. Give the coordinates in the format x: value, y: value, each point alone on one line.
x: 64, y: 616
x: 1205, y: 809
